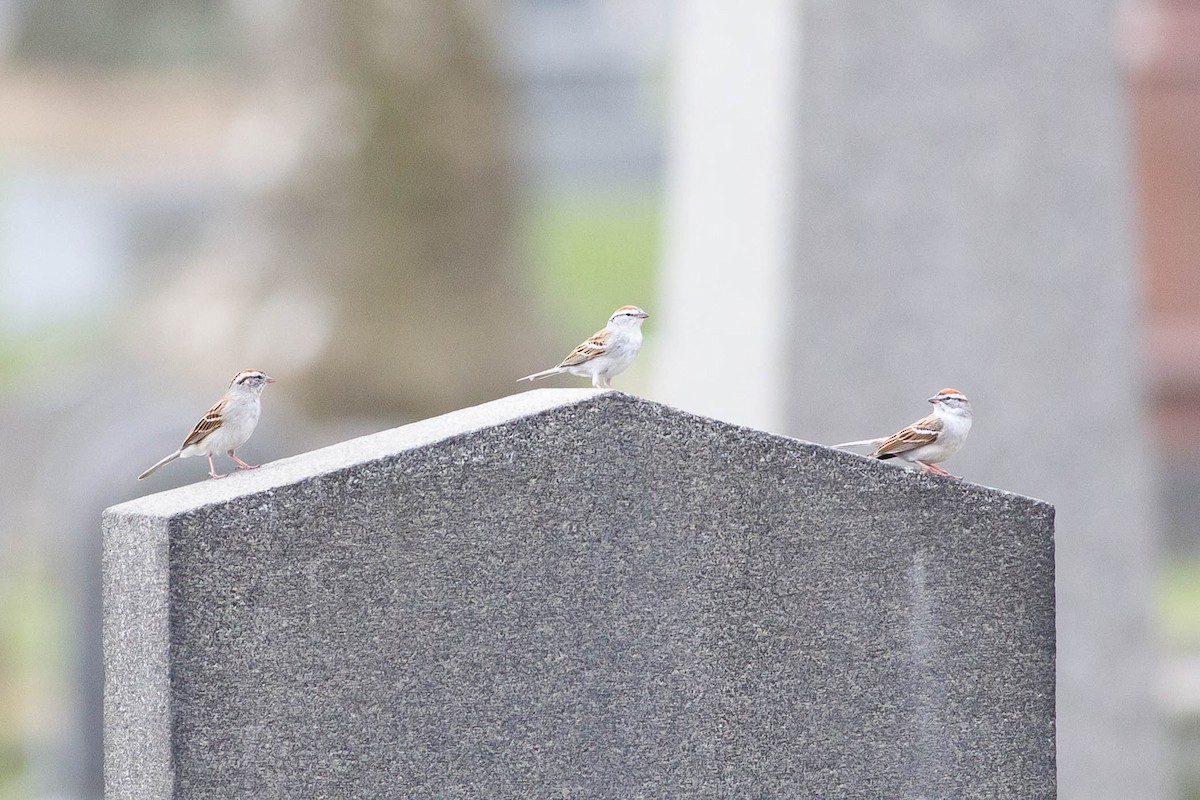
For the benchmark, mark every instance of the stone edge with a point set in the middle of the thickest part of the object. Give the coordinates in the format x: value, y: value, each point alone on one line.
x: 447, y: 427
x: 136, y: 627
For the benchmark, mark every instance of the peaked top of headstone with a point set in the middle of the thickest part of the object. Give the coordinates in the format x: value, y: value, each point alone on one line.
x: 530, y: 405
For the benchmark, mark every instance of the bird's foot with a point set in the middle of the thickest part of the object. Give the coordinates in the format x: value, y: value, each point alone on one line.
x: 936, y: 470
x: 242, y: 464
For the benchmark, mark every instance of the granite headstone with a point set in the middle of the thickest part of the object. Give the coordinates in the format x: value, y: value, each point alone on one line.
x: 576, y: 593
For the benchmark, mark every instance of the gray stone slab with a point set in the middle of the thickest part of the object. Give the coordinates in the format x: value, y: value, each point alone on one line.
x: 963, y: 220
x: 571, y: 593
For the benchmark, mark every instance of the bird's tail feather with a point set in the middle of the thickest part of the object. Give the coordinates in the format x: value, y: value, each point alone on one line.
x: 162, y: 463
x: 861, y: 443
x: 546, y: 373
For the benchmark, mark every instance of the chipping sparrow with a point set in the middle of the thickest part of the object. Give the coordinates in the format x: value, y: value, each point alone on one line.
x: 226, y: 426
x: 931, y: 440
x: 607, y: 353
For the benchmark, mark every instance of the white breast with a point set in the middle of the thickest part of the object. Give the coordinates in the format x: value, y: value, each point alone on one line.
x: 238, y: 421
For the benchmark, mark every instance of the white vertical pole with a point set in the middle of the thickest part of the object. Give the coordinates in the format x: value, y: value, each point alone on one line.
x: 722, y: 316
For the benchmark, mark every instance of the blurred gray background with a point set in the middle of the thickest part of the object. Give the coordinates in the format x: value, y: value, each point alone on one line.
x: 831, y: 210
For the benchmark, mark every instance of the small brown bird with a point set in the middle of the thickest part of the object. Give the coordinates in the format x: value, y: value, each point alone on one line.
x: 607, y: 353
x: 927, y: 441
x: 226, y: 426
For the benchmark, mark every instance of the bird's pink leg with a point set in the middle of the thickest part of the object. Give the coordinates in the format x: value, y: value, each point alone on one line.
x: 212, y: 469
x: 936, y: 470
x: 241, y: 464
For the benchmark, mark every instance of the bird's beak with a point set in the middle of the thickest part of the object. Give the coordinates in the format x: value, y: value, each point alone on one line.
x: 935, y: 399
x: 269, y: 379
x: 643, y: 315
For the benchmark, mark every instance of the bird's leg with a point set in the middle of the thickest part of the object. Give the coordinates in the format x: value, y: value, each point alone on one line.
x: 241, y: 464
x: 212, y: 469
x: 936, y: 470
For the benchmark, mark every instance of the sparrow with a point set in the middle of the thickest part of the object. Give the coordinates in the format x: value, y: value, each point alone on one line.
x: 226, y: 426
x: 607, y: 353
x: 927, y: 441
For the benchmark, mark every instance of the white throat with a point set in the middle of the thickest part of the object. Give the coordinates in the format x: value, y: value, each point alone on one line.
x: 957, y: 421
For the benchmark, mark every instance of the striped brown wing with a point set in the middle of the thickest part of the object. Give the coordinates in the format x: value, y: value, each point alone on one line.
x: 919, y: 433
x: 207, y: 424
x: 595, y: 346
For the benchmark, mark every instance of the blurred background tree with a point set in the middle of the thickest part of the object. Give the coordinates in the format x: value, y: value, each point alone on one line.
x: 373, y: 260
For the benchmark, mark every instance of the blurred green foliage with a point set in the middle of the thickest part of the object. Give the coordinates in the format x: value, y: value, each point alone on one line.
x: 46, y: 349
x: 1179, y: 604
x: 1178, y: 613
x: 32, y: 668
x: 590, y: 254
x: 124, y: 33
